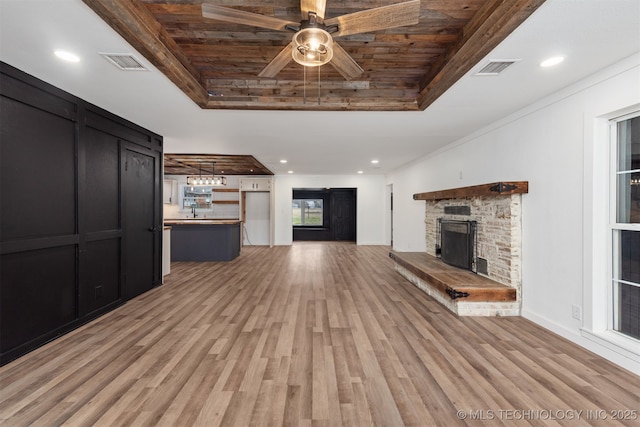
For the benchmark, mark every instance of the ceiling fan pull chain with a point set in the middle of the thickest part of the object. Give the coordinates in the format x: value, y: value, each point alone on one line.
x: 319, y: 84
x: 304, y: 85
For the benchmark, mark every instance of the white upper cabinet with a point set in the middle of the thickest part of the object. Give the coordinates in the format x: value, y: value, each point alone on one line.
x: 255, y: 184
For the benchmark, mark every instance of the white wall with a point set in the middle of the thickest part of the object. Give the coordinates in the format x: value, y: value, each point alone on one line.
x: 371, y: 207
x: 550, y: 144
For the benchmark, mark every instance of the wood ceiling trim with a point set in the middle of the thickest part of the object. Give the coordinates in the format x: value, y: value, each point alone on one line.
x: 326, y: 104
x: 428, y: 58
x: 133, y: 21
x: 225, y: 164
x: 492, y: 24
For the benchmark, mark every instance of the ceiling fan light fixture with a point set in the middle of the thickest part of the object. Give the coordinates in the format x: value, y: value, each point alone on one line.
x: 313, y: 47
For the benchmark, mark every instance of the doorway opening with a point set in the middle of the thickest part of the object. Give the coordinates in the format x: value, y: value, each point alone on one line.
x: 327, y: 214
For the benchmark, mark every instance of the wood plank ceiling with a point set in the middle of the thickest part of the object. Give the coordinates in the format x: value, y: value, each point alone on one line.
x: 204, y: 164
x: 217, y: 63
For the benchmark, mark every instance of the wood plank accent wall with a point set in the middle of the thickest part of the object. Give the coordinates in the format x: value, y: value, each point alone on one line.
x: 63, y: 253
x: 493, y: 189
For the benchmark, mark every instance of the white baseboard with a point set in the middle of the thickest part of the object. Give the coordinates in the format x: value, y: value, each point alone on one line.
x: 596, y: 343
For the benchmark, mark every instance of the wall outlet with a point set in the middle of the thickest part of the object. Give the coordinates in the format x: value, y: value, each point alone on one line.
x: 576, y: 312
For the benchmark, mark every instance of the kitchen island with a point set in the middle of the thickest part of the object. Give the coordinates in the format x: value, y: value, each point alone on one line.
x: 204, y: 239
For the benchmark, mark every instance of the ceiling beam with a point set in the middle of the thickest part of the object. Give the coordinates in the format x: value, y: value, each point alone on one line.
x: 492, y: 24
x: 133, y: 21
x: 202, y: 164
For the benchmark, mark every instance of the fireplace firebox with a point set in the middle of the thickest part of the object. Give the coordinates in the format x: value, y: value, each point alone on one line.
x: 457, y: 242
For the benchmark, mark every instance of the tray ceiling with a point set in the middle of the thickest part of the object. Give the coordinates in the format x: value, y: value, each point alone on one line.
x: 217, y: 63
x: 203, y: 164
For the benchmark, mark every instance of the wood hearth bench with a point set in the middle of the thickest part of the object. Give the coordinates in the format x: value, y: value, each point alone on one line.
x: 452, y: 281
x: 463, y: 292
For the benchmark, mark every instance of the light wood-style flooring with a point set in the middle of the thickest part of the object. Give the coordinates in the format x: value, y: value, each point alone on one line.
x: 316, y: 334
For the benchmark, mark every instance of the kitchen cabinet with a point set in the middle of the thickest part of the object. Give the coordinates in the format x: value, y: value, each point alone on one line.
x: 202, y: 240
x: 255, y: 184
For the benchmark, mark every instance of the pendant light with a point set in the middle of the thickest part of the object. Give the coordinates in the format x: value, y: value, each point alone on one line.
x: 208, y: 180
x: 217, y: 181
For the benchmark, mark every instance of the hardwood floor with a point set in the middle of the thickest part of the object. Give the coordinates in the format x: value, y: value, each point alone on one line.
x: 309, y: 335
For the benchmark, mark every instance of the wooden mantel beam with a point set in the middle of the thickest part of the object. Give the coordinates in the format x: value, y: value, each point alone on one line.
x: 493, y: 189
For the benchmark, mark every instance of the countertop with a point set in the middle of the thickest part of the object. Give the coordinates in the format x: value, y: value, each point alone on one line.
x: 201, y: 221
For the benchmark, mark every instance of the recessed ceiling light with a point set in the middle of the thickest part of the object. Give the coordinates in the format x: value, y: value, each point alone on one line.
x: 360, y: 171
x: 283, y: 161
x: 290, y: 172
x: 375, y: 162
x: 67, y: 56
x: 550, y: 62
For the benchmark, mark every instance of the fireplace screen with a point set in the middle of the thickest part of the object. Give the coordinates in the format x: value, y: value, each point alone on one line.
x: 457, y: 242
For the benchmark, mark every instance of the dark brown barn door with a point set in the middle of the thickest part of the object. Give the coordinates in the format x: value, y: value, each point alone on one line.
x: 139, y: 222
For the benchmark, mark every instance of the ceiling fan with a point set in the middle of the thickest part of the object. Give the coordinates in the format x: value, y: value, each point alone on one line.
x: 312, y: 43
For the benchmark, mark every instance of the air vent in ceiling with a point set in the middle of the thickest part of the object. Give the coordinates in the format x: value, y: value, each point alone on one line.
x: 495, y: 67
x: 124, y: 61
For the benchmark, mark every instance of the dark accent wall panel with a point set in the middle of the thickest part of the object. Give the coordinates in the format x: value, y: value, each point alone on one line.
x: 38, y: 171
x: 102, y: 181
x: 101, y: 285
x: 41, y: 295
x: 61, y: 203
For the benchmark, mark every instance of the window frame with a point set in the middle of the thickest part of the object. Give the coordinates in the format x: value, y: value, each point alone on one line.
x: 305, y: 200
x: 312, y: 194
x: 615, y: 228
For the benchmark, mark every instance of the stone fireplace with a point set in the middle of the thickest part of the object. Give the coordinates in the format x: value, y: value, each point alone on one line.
x: 498, y: 233
x: 477, y: 230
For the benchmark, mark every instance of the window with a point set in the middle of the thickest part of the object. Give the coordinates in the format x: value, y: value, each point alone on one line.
x: 197, y: 197
x: 307, y: 212
x: 625, y: 225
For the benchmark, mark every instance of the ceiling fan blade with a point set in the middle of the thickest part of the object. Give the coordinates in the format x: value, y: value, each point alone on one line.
x: 237, y: 16
x: 344, y: 63
x: 379, y: 18
x: 317, y: 6
x: 278, y: 63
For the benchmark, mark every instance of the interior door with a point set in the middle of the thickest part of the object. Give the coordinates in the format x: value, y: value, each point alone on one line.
x: 141, y: 230
x: 343, y: 214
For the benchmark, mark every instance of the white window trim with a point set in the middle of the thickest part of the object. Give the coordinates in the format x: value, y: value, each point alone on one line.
x: 597, y: 324
x: 614, y: 225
